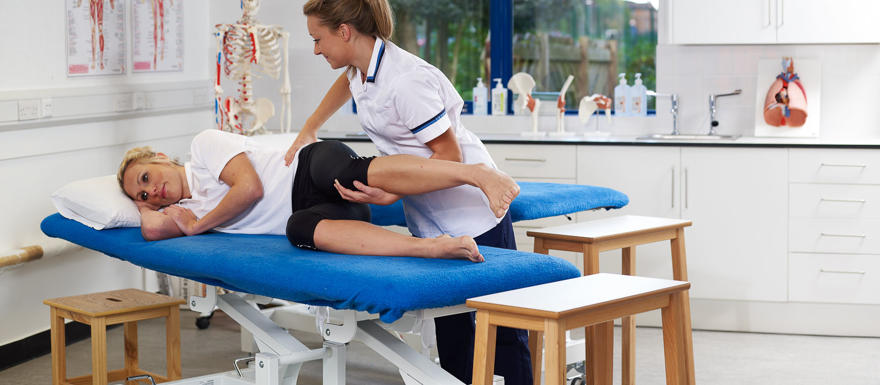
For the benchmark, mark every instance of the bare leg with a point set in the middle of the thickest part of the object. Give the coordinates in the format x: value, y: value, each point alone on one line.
x: 357, y: 237
x: 409, y: 174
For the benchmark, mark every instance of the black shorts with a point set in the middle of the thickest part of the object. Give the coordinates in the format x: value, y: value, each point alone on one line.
x: 314, y: 197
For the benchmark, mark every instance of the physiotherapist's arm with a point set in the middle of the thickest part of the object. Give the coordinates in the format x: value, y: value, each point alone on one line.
x: 336, y: 97
x: 446, y: 147
x: 245, y: 189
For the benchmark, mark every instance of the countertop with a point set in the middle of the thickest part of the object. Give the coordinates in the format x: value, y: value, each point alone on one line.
x: 582, y: 139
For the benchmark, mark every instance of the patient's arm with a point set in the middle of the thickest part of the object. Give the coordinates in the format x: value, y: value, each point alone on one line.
x: 156, y: 225
x: 245, y: 189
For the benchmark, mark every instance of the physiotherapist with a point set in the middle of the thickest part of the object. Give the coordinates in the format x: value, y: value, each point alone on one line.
x: 407, y: 106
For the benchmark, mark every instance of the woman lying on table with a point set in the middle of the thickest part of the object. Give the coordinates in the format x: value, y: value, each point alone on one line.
x: 234, y: 185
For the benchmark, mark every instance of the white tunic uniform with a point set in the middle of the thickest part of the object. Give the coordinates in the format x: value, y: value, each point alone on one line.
x: 403, y: 104
x: 211, y: 150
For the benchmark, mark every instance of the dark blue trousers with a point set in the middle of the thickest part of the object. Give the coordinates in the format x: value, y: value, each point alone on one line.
x: 455, y: 333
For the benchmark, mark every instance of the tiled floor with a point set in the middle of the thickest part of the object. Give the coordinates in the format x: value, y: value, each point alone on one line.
x: 721, y: 358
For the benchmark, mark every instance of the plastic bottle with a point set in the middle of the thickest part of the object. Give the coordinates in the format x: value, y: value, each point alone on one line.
x: 638, y: 98
x: 621, y: 95
x: 499, y: 98
x: 481, y: 98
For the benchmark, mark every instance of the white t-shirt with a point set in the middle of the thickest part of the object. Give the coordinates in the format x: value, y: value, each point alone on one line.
x: 405, y: 103
x: 210, y: 151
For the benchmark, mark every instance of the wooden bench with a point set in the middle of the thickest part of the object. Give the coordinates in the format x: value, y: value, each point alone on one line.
x: 109, y: 308
x: 625, y: 233
x: 555, y: 307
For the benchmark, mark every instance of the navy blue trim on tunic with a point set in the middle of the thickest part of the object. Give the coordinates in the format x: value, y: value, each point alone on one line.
x: 429, y: 122
x: 372, y: 79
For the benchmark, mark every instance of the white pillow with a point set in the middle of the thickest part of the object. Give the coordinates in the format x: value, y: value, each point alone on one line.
x: 97, y: 202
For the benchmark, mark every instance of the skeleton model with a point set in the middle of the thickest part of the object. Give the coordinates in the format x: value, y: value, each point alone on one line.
x: 243, y: 48
x: 96, y: 14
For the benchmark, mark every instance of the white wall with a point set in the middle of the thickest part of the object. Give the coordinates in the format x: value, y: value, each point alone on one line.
x: 36, y: 158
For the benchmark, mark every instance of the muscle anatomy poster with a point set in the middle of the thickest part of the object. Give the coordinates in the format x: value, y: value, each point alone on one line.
x: 157, y: 35
x: 95, y: 37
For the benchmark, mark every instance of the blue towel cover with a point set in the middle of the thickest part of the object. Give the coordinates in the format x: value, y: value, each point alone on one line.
x: 268, y: 265
x: 535, y: 200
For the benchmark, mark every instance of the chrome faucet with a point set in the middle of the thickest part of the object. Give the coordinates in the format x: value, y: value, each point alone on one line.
x: 712, y: 122
x: 674, y: 110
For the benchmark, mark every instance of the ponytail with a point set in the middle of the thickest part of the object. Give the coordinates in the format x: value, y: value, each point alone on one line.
x: 369, y: 17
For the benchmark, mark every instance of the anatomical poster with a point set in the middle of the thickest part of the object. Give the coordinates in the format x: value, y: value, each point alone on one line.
x: 157, y: 35
x: 95, y: 37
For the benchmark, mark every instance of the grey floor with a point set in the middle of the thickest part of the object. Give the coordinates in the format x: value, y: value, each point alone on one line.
x: 720, y: 357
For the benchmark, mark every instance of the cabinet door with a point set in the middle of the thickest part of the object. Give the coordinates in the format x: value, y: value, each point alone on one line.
x: 650, y: 177
x: 737, y: 200
x: 723, y: 21
x: 822, y: 21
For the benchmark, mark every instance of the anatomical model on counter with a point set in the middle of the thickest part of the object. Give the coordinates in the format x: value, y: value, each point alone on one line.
x: 786, y: 101
x: 522, y: 84
x: 560, y: 110
x: 242, y: 49
x: 589, y: 105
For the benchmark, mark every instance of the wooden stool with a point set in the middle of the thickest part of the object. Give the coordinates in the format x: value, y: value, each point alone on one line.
x: 555, y: 307
x: 109, y: 308
x: 624, y: 232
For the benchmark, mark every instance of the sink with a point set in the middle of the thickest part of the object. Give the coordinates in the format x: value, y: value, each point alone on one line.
x: 685, y: 137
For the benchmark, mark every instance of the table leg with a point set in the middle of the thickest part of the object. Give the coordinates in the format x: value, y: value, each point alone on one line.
x: 172, y: 343
x: 539, y: 246
x: 484, y: 350
x: 554, y: 355
x: 679, y: 273
x: 58, y: 344
x: 99, y: 351
x: 602, y: 357
x: 536, y: 348
x: 673, y: 340
x: 628, y: 326
x: 131, y: 348
x: 591, y: 266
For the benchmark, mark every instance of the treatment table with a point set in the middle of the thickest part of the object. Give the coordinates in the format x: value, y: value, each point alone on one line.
x: 401, y: 291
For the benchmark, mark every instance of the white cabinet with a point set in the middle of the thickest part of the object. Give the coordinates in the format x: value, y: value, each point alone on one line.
x: 736, y: 198
x: 834, y: 233
x: 774, y: 21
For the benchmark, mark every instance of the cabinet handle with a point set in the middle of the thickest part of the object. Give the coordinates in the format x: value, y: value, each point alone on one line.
x: 843, y: 235
x: 672, y: 195
x: 525, y: 160
x: 862, y: 201
x: 769, y: 13
x: 781, y: 19
x: 842, y: 165
x: 686, y: 189
x: 842, y: 271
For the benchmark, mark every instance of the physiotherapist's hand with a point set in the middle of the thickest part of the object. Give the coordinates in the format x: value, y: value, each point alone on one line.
x: 184, y: 218
x: 366, y: 194
x: 303, y: 139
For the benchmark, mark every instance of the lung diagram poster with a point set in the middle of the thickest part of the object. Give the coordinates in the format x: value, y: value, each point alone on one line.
x: 95, y: 37
x: 157, y: 35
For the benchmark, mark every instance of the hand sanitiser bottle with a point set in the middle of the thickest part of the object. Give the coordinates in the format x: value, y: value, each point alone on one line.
x: 638, y: 98
x: 621, y: 95
x: 481, y: 98
x: 499, y: 98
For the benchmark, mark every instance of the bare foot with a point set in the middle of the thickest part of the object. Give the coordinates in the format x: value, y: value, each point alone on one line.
x: 462, y: 247
x: 500, y: 188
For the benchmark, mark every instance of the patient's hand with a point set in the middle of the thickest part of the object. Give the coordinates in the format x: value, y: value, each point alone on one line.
x: 366, y: 194
x: 184, y: 218
x: 157, y: 225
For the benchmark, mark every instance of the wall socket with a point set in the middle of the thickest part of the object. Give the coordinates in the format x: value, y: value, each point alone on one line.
x: 124, y: 102
x: 29, y: 109
x: 48, y: 107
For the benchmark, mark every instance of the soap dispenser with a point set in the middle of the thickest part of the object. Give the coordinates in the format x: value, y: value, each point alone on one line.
x: 621, y: 97
x: 499, y: 98
x: 481, y: 98
x: 638, y: 98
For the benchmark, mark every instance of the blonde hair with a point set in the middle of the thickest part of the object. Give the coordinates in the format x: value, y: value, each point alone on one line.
x: 143, y: 154
x: 370, y: 17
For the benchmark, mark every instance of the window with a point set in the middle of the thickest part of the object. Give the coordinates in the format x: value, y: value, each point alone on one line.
x: 594, y: 40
